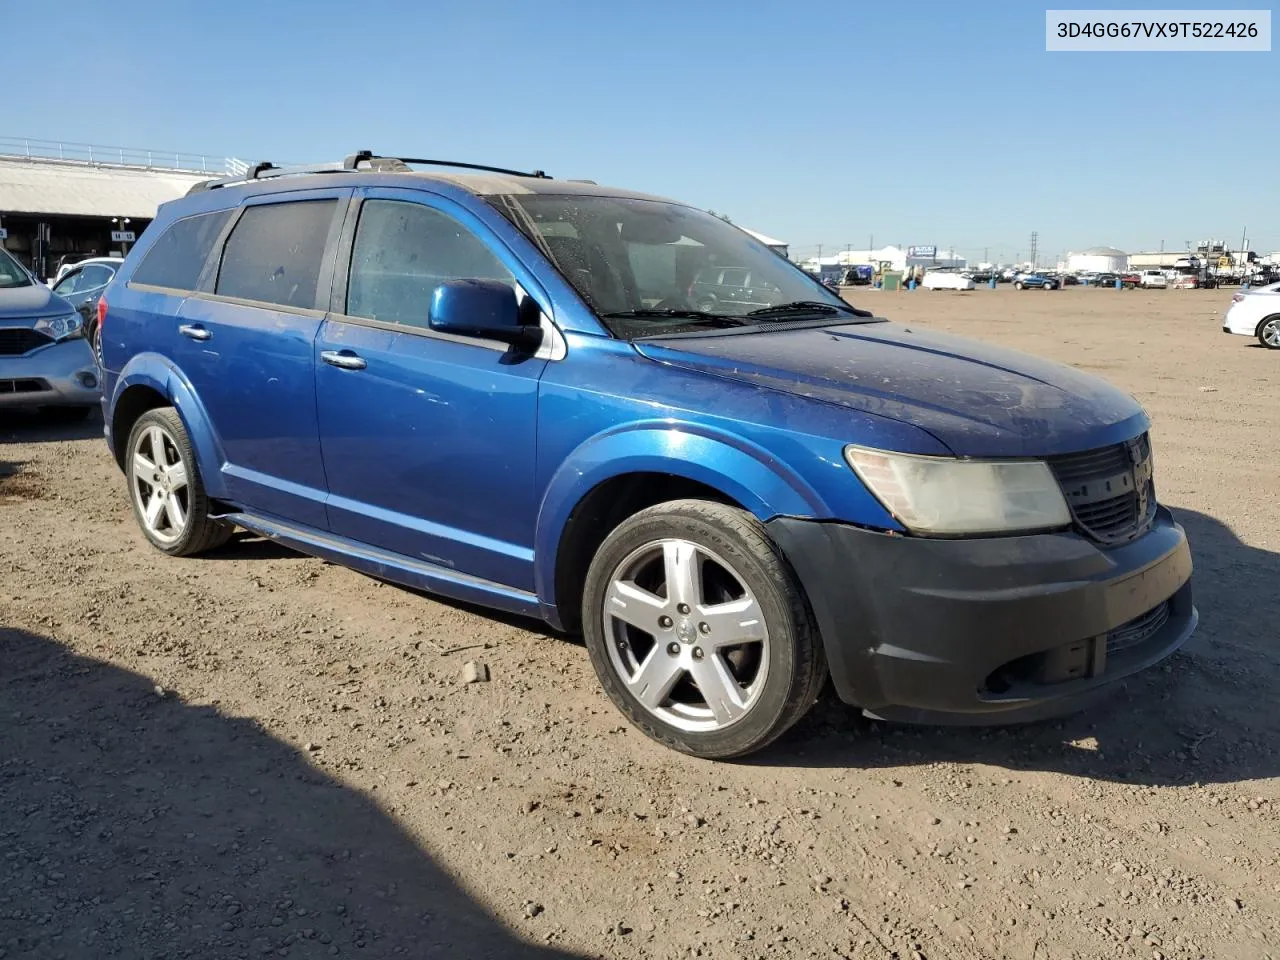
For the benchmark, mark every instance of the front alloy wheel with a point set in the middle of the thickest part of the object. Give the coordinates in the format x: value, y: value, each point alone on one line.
x: 686, y: 635
x: 699, y: 631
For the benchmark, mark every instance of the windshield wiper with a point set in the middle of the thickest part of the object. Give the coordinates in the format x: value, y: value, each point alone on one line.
x: 802, y: 307
x: 715, y: 319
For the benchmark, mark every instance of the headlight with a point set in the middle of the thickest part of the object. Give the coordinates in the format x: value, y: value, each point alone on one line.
x: 939, y: 495
x: 61, y: 328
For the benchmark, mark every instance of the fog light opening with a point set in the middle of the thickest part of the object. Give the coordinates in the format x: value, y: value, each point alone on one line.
x: 87, y: 380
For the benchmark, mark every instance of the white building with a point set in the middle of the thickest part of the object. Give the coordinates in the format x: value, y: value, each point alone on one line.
x: 888, y: 258
x: 1098, y: 260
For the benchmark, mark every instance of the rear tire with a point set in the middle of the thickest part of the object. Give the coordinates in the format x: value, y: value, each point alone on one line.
x: 1269, y: 332
x: 165, y: 487
x: 1017, y: 285
x: 746, y: 634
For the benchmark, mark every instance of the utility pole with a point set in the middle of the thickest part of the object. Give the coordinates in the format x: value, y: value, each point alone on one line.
x: 1035, y: 240
x: 819, y: 251
x: 1244, y: 254
x: 985, y: 258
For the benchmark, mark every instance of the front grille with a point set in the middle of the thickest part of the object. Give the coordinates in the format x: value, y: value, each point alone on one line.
x: 23, y: 386
x: 15, y: 341
x: 1139, y: 629
x: 1110, y: 491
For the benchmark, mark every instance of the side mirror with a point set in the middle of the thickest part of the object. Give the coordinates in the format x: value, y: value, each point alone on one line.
x: 482, y: 308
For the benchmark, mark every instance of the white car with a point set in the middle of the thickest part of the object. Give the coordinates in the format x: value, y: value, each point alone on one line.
x: 1154, y: 279
x: 942, y: 280
x: 1255, y: 313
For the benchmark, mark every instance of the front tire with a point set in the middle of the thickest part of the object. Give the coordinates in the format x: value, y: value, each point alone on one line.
x: 1269, y: 332
x: 699, y: 631
x: 165, y: 487
x: 1017, y: 285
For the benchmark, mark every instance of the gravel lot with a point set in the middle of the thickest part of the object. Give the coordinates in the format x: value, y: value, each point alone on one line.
x: 258, y: 753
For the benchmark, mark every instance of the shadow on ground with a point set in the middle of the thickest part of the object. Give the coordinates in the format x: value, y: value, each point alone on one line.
x: 133, y: 824
x: 1210, y: 714
x: 19, y: 426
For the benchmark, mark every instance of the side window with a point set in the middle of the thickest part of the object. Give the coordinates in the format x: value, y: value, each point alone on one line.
x: 68, y: 284
x: 734, y: 278
x: 94, y: 276
x: 177, y: 257
x: 274, y: 252
x: 402, y: 252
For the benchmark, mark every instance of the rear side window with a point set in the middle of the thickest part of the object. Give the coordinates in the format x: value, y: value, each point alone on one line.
x: 176, y: 259
x: 402, y: 252
x: 274, y: 252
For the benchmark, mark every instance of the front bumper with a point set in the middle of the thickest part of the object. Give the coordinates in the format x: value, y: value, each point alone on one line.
x: 991, y: 630
x: 58, y: 375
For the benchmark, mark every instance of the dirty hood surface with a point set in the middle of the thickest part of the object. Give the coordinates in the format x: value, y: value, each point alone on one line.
x: 35, y: 300
x: 979, y: 400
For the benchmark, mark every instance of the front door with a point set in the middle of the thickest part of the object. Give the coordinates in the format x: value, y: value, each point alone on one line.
x: 247, y: 348
x: 428, y: 439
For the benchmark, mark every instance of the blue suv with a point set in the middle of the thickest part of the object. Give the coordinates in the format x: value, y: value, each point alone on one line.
x: 505, y: 388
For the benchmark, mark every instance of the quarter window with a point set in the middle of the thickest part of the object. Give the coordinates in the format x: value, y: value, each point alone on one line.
x: 178, y: 256
x: 274, y: 253
x: 402, y: 252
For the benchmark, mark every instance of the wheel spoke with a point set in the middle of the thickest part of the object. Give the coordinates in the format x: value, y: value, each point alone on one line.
x: 734, y: 622
x: 683, y: 572
x: 155, y: 506
x: 156, y: 438
x: 635, y: 605
x: 177, y: 476
x: 726, y: 699
x: 177, y: 517
x: 143, y: 468
x: 652, y: 683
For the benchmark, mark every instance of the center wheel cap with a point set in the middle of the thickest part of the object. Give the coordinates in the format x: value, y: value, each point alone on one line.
x: 686, y: 632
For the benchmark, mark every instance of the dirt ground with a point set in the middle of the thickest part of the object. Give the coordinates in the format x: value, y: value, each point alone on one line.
x: 258, y: 753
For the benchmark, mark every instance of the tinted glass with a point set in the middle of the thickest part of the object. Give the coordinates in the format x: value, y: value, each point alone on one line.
x: 93, y: 276
x: 178, y: 256
x: 12, y: 275
x: 402, y: 252
x: 69, y: 283
x: 274, y: 252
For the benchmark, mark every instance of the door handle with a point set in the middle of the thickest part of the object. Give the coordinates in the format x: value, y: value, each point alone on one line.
x: 194, y: 331
x: 343, y: 358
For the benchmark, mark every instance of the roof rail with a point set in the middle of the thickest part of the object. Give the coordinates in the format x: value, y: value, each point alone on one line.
x: 368, y: 156
x: 266, y: 169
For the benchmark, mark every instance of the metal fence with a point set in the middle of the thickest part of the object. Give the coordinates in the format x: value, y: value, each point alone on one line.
x: 92, y: 153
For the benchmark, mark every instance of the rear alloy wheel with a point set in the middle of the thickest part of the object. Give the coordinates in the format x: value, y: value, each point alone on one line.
x: 1017, y: 285
x: 698, y: 630
x: 1269, y: 333
x: 165, y: 489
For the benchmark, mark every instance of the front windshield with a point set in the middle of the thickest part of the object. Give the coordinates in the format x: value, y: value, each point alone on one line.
x: 649, y: 267
x: 11, y: 274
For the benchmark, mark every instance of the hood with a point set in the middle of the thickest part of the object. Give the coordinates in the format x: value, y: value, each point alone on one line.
x: 36, y: 300
x: 980, y: 401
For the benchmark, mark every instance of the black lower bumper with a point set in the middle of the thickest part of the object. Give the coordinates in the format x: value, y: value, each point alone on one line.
x: 990, y: 630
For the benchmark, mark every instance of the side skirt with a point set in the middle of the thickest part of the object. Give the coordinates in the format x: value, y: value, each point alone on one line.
x: 385, y: 565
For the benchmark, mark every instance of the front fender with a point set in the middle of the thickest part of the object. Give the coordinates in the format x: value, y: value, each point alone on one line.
x: 750, y: 475
x: 159, y: 374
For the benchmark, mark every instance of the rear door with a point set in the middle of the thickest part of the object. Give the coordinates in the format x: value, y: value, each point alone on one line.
x: 429, y: 439
x: 245, y: 343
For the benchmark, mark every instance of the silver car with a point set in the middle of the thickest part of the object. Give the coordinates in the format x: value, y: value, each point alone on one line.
x: 45, y: 362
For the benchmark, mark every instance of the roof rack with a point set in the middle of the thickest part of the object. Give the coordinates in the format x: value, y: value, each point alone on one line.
x: 368, y: 156
x: 370, y: 161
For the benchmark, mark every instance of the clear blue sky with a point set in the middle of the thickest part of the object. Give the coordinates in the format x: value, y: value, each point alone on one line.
x: 937, y: 122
